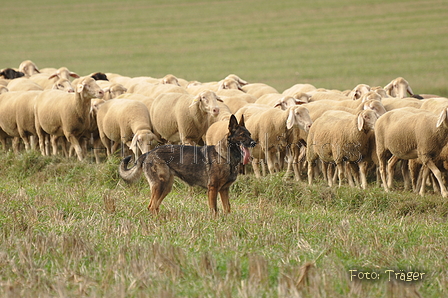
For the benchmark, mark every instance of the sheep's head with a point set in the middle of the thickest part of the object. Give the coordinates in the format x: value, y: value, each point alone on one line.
x: 366, y: 120
x: 28, y: 68
x: 237, y: 79
x: 208, y: 102
x: 88, y: 89
x: 359, y: 90
x: 142, y: 139
x: 229, y: 83
x: 398, y: 88
x: 300, y: 117
x: 375, y: 106
x: 285, y: 102
x: 371, y: 95
x: 170, y: 79
x: 116, y: 90
x: 63, y: 85
x: 63, y: 73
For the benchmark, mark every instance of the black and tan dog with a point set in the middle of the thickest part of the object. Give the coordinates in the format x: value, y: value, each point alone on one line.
x: 212, y: 167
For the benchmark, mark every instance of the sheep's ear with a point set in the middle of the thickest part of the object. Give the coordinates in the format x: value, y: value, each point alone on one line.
x: 410, y: 90
x: 134, y: 143
x: 290, y: 121
x: 53, y: 76
x: 279, y: 103
x: 219, y: 99
x: 196, y: 100
x: 73, y: 75
x: 388, y: 87
x: 233, y: 124
x: 442, y: 117
x: 360, y: 122
x: 80, y: 88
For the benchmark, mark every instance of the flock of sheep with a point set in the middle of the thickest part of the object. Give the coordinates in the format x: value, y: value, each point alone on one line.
x: 341, y: 135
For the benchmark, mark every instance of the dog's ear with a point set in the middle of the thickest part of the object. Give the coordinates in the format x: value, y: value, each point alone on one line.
x: 242, y: 121
x: 233, y: 123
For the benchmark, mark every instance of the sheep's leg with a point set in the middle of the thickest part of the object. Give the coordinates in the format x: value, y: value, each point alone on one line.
x: 435, y: 170
x: 310, y: 172
x: 340, y: 168
x: 270, y: 159
x: 54, y: 144
x: 406, y: 174
x: 15, y: 145
x: 390, y: 170
x: 424, y: 176
x: 349, y: 174
x: 363, y: 173
x: 414, y: 169
x: 256, y: 167
x: 224, y: 194
x: 74, y: 141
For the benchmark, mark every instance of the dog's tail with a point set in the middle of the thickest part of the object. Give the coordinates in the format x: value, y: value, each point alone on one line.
x: 133, y: 174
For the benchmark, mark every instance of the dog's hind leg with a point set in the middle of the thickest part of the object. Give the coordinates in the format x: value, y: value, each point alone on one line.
x: 161, y: 183
x: 224, y: 194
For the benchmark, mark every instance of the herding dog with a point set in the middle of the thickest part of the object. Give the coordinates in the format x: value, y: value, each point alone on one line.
x: 211, y: 167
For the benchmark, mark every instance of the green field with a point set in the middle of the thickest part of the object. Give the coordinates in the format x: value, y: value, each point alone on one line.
x: 74, y: 229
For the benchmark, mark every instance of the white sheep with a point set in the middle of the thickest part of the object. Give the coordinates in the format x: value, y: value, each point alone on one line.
x: 29, y: 68
x: 154, y: 90
x: 17, y: 116
x: 125, y: 121
x: 409, y: 133
x: 305, y: 88
x: 65, y: 114
x: 183, y: 118
x: 339, y: 136
x: 285, y: 101
x: 111, y: 90
x: 23, y: 84
x: 272, y: 127
x: 61, y: 77
x: 398, y: 88
x: 259, y: 89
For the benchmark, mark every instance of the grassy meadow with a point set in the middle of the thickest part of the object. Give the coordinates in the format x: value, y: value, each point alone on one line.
x: 74, y: 229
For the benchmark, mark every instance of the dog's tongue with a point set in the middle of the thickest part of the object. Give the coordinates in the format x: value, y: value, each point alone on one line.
x: 246, y: 155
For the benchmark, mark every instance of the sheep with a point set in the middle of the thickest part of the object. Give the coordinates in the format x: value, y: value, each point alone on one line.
x: 234, y: 103
x: 398, y: 88
x: 409, y: 133
x: 316, y: 96
x: 111, y: 90
x: 23, y: 84
x: 64, y: 114
x: 61, y: 76
x: 125, y: 121
x: 154, y: 90
x: 259, y: 89
x: 272, y: 126
x: 17, y: 116
x: 339, y: 136
x: 397, y: 103
x: 305, y: 88
x: 10, y: 74
x: 274, y: 99
x: 29, y: 68
x: 183, y: 117
x: 358, y: 91
x: 225, y: 84
x: 99, y: 76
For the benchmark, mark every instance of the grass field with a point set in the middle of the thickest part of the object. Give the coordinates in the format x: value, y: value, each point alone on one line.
x: 74, y: 229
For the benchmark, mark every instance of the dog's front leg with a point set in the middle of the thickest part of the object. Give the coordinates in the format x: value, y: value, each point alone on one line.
x: 212, y: 199
x: 224, y: 194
